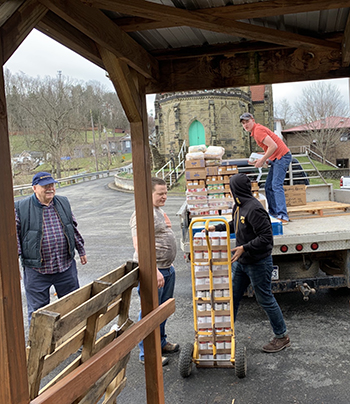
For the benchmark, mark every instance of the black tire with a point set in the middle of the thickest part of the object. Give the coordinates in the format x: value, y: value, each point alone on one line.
x: 241, y: 362
x: 185, y: 360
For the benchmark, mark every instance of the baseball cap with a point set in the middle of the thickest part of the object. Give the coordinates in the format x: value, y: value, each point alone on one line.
x: 245, y: 117
x: 43, y: 178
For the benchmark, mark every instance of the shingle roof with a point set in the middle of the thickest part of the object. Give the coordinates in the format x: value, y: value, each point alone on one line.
x: 331, y: 122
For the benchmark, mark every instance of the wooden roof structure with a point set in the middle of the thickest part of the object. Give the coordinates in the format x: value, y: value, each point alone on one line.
x: 152, y: 47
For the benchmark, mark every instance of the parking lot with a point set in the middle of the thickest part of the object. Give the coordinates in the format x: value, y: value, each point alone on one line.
x: 315, y: 369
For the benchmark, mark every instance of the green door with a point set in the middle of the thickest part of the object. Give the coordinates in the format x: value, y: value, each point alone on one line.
x: 196, y: 134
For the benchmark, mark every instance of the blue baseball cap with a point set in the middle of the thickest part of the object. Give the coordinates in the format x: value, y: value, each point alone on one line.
x: 43, y: 178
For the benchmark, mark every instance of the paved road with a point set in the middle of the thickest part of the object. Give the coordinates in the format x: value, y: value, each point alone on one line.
x: 315, y: 369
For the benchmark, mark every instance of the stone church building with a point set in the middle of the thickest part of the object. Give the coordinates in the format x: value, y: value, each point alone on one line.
x: 211, y: 117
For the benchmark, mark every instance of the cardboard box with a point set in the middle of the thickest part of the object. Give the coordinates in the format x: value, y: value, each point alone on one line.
x: 228, y: 170
x: 195, y: 163
x: 295, y: 195
x: 212, y: 170
x: 195, y: 173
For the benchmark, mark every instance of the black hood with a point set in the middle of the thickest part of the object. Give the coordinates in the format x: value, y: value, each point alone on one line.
x: 241, y: 188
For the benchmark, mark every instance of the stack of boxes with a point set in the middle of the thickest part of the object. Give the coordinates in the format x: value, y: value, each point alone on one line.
x: 208, y: 189
x: 214, y: 307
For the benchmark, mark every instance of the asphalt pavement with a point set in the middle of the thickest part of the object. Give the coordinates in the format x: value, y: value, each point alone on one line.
x: 315, y: 369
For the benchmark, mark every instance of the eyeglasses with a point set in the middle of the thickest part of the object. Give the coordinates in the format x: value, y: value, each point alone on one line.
x: 48, y: 186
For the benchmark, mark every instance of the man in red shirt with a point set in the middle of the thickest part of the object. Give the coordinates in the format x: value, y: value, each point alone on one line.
x: 277, y: 154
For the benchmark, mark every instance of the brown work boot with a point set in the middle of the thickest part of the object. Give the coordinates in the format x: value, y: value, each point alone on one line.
x: 277, y: 344
x: 165, y: 360
x: 170, y: 348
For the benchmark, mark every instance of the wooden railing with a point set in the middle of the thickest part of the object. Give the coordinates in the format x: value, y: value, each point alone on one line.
x: 58, y: 330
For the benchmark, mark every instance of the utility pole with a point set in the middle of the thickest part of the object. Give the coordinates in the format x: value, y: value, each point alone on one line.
x: 93, y: 135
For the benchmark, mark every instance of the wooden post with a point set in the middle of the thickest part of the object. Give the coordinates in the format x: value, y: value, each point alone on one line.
x: 131, y: 91
x: 13, y: 370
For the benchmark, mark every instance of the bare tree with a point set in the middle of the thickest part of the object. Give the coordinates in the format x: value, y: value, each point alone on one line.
x: 51, y: 113
x: 284, y: 110
x: 320, y: 110
x: 54, y: 113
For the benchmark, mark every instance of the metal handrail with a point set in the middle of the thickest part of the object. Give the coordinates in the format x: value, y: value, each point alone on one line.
x: 169, y: 169
x: 72, y: 179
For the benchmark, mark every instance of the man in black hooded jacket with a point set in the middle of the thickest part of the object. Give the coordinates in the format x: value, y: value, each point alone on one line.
x: 252, y: 257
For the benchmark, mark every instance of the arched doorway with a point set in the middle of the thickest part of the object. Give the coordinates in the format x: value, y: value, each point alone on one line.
x: 196, y: 134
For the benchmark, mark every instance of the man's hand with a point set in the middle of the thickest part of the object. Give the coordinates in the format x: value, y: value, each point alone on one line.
x: 83, y: 259
x: 210, y: 228
x: 237, y: 252
x: 260, y: 163
x: 160, y: 279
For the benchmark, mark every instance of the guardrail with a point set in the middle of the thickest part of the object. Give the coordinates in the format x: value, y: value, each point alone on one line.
x: 74, y: 179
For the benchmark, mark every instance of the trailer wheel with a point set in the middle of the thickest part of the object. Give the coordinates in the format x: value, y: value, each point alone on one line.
x: 185, y: 360
x: 241, y: 362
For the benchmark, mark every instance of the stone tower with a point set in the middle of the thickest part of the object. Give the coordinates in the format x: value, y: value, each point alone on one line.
x: 211, y: 117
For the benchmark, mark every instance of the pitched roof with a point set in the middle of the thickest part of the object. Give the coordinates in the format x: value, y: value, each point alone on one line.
x: 331, y: 122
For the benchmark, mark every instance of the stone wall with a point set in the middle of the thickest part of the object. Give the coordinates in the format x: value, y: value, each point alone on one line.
x: 217, y: 112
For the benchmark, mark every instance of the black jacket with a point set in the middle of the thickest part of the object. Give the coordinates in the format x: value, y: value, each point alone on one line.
x: 30, y: 213
x: 250, y: 222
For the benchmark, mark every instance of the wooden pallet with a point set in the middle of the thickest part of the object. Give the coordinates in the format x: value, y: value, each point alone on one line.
x: 58, y: 330
x: 318, y: 209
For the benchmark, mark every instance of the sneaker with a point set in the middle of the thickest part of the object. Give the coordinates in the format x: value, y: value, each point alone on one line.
x: 165, y: 361
x: 170, y: 348
x: 277, y: 344
x: 283, y: 221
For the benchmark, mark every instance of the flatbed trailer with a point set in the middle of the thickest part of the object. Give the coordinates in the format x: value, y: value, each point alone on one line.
x: 313, y: 251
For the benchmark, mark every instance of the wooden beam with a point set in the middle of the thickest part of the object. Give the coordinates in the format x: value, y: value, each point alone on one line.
x: 64, y: 33
x: 78, y: 382
x: 132, y: 24
x: 103, y: 31
x: 345, y: 46
x: 122, y: 80
x: 287, y: 65
x: 264, y: 9
x: 235, y: 12
x: 189, y: 52
x: 146, y: 245
x: 181, y: 17
x: 19, y: 25
x: 8, y: 8
x: 13, y: 367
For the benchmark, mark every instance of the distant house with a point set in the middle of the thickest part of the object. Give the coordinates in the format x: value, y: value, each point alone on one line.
x: 125, y: 144
x: 339, y: 154
x: 118, y: 144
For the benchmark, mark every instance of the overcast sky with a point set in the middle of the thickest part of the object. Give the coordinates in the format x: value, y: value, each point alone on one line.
x: 41, y: 56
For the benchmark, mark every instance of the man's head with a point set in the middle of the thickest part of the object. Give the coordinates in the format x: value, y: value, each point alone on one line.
x: 159, y: 192
x: 247, y: 120
x: 43, y: 185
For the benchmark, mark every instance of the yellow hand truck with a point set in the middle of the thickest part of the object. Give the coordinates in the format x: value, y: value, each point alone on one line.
x: 212, y: 296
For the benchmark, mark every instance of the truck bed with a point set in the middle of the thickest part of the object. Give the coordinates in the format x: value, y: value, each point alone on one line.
x: 332, y: 233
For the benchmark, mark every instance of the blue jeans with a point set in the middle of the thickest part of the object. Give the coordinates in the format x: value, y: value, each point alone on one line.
x: 164, y: 293
x: 37, y: 286
x: 274, y: 187
x: 259, y: 275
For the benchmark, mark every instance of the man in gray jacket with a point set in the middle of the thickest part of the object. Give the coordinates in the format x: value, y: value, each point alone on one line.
x: 165, y: 255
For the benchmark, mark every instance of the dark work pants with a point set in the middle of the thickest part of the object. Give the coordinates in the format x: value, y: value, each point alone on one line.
x: 37, y: 286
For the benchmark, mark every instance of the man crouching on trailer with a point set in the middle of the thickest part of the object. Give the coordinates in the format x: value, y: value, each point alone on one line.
x: 251, y: 259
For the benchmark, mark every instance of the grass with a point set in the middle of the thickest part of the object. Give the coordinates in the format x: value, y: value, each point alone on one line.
x: 318, y: 165
x: 316, y: 181
x: 74, y: 166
